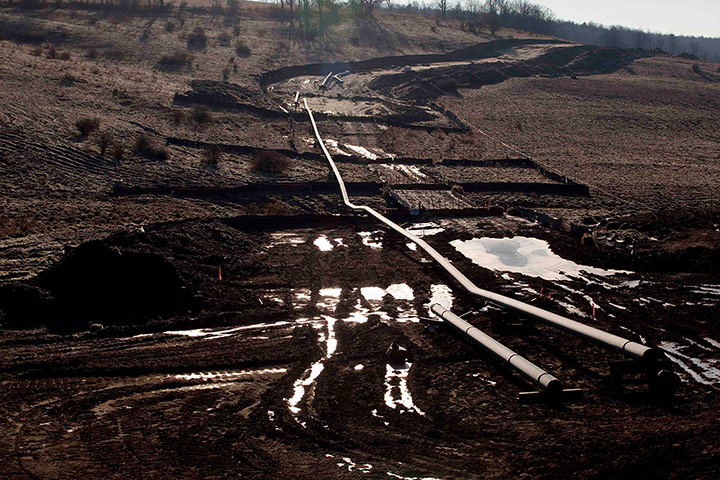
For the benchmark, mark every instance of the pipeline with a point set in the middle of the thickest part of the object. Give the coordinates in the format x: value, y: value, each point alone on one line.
x: 622, y: 345
x: 539, y: 377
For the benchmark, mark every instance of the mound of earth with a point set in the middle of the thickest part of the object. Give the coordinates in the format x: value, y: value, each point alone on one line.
x: 429, y: 84
x: 129, y: 277
x: 224, y: 95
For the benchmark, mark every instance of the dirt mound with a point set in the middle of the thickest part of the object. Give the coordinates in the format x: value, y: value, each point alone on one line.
x: 130, y: 277
x: 426, y: 85
x: 224, y: 95
x: 101, y: 276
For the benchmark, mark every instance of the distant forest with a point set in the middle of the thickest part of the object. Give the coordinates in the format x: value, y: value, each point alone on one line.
x: 524, y: 15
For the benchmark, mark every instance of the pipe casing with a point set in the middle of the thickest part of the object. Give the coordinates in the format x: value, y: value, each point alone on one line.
x: 542, y: 379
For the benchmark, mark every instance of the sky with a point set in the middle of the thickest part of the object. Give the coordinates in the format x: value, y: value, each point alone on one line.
x: 681, y: 17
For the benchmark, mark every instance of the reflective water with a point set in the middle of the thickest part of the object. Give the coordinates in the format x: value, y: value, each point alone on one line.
x: 526, y: 255
x: 396, y: 388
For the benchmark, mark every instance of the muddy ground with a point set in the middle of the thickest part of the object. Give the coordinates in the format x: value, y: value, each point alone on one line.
x: 207, y: 308
x: 211, y: 396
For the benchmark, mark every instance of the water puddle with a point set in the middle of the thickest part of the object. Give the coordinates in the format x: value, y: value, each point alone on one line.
x: 401, y: 291
x: 703, y: 370
x: 333, y: 147
x: 525, y: 255
x: 440, y: 294
x: 307, y: 380
x: 371, y: 239
x: 425, y: 229
x: 286, y: 238
x: 395, y: 475
x: 323, y: 243
x: 396, y: 389
x: 211, y: 334
x: 224, y: 376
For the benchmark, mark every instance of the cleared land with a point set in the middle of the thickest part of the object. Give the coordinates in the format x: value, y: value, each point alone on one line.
x: 183, y: 295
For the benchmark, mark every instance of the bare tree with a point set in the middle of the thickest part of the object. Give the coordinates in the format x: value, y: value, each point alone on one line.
x: 442, y: 5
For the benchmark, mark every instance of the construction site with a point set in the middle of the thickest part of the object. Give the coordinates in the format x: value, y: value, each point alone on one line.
x: 425, y: 254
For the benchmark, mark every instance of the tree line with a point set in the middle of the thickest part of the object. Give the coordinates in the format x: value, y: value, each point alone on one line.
x: 489, y: 15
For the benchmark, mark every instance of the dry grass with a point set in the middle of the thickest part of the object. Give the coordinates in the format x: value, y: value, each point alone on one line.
x: 269, y: 162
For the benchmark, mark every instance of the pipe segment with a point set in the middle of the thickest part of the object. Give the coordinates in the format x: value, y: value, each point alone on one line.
x: 539, y: 377
x: 622, y: 345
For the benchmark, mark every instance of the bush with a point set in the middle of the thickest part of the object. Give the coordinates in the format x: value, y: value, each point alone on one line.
x: 696, y: 68
x: 104, y: 141
x: 276, y: 207
x: 170, y: 26
x: 177, y: 116
x: 269, y: 162
x: 241, y: 49
x: 236, y: 30
x: 146, y: 146
x: 212, y: 155
x: 197, y: 40
x: 202, y: 115
x: 175, y: 62
x: 64, y: 56
x: 87, y: 125
x: 224, y: 39
x: 52, y: 52
x: 117, y: 151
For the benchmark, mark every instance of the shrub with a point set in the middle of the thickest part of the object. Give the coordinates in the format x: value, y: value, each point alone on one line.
x: 68, y: 79
x: 176, y: 61
x: 170, y: 26
x: 117, y: 151
x: 87, y: 125
x: 236, y: 30
x: 92, y: 54
x: 202, y: 115
x: 696, y: 68
x: 226, y: 74
x: 177, y: 116
x: 212, y: 155
x: 64, y: 56
x: 37, y: 51
x: 224, y: 39
x: 104, y: 141
x: 241, y: 49
x: 146, y: 146
x: 197, y: 40
x: 276, y: 207
x: 52, y: 52
x: 269, y: 162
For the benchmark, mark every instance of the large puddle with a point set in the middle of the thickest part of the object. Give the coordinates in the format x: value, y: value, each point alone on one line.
x: 525, y: 255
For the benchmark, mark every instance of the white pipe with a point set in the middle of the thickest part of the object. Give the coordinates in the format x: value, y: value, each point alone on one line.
x: 538, y: 376
x: 626, y: 347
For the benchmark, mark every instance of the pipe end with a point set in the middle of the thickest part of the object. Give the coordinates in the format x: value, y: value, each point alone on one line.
x: 651, y: 356
x: 554, y: 388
